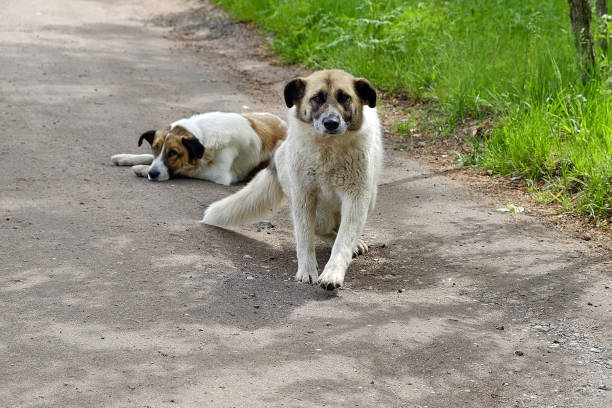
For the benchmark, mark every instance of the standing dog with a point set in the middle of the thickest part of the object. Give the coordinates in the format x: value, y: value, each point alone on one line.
x: 216, y: 146
x: 328, y: 168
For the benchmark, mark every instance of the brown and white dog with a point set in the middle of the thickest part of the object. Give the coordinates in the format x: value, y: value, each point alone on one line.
x: 328, y: 168
x: 217, y: 146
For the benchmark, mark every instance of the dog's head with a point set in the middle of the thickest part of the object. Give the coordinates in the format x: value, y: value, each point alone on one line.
x: 332, y: 100
x: 177, y: 152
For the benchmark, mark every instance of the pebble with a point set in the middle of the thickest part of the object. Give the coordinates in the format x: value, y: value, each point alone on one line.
x: 264, y: 224
x: 519, y: 353
x: 604, y: 387
x: 250, y: 278
x: 400, y: 290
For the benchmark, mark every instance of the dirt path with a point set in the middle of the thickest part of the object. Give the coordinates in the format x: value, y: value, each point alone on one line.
x: 111, y: 293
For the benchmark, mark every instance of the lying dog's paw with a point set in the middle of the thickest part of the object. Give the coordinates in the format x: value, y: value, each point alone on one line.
x: 332, y: 277
x: 306, y: 276
x: 360, y: 249
x: 141, y: 170
x: 132, y: 159
x: 122, y: 159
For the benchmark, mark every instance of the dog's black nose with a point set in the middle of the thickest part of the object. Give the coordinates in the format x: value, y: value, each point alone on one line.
x: 331, y: 124
x: 153, y: 174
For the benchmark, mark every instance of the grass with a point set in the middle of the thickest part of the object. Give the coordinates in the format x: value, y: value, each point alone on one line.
x: 513, y: 60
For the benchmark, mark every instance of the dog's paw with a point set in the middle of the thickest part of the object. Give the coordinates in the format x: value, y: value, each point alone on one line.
x: 306, y: 276
x: 131, y: 159
x: 332, y: 277
x: 141, y: 170
x: 121, y: 159
x: 361, y: 248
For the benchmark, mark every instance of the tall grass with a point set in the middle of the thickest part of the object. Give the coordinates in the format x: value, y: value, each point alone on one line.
x: 513, y: 59
x: 563, y: 145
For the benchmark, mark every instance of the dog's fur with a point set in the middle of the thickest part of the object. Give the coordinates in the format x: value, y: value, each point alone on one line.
x: 216, y: 146
x: 328, y: 168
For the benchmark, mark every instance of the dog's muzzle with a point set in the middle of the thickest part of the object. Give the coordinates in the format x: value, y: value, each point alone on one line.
x: 153, y: 174
x: 330, y: 122
x: 158, y: 170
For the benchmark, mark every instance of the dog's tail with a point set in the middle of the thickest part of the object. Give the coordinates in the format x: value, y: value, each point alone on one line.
x: 253, y: 202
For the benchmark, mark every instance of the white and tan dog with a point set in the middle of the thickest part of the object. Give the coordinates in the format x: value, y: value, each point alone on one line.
x: 216, y: 146
x: 328, y: 168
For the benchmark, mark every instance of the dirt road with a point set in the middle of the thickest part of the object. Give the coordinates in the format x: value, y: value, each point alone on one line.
x: 112, y: 294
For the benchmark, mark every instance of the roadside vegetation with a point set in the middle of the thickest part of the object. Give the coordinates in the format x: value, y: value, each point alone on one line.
x: 513, y: 61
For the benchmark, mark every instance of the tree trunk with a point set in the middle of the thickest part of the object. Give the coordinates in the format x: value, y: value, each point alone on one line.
x: 580, y: 15
x: 601, y: 7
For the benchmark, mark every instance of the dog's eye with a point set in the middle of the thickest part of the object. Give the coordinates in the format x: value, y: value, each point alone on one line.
x: 318, y: 98
x: 342, y: 97
x: 155, y: 149
x: 172, y: 153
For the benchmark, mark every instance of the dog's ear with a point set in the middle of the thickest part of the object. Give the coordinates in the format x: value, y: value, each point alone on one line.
x: 194, y: 147
x: 294, y: 91
x: 365, y: 92
x: 149, y: 135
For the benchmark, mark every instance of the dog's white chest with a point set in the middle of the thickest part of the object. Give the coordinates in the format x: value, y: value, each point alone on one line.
x: 339, y: 169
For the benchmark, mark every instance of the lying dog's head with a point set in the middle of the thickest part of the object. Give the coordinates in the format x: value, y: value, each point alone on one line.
x: 331, y: 100
x: 177, y: 152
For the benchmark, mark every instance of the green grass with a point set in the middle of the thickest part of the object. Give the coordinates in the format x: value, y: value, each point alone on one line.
x: 510, y: 59
x: 563, y: 144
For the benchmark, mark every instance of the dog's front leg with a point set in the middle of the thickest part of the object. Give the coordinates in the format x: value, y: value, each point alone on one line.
x: 303, y: 211
x: 132, y: 159
x: 141, y: 170
x: 354, y: 212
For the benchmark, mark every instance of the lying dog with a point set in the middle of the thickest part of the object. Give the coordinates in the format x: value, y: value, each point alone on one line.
x: 328, y: 168
x: 216, y: 146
